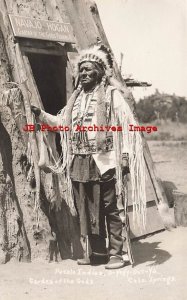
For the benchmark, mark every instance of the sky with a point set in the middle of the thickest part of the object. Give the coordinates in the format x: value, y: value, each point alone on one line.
x: 152, y: 35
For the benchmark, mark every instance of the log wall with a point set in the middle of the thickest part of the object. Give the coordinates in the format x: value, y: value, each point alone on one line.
x: 27, y: 214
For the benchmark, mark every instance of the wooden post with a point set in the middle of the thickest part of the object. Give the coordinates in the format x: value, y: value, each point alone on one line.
x: 19, y: 76
x: 78, y: 29
x: 156, y: 181
x: 121, y: 61
x: 4, y: 23
x: 3, y: 222
x: 180, y: 208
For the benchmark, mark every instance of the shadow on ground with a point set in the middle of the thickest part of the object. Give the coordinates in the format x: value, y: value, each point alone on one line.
x: 149, y: 252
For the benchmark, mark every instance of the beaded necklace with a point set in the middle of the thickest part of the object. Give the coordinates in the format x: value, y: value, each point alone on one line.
x: 82, y: 136
x: 83, y: 113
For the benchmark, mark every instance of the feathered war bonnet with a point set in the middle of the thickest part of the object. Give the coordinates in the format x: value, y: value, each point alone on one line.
x: 99, y: 54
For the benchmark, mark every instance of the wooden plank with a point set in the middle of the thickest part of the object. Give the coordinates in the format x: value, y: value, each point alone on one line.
x: 17, y: 75
x: 154, y: 223
x: 52, y: 11
x: 69, y: 81
x: 41, y: 29
x: 156, y: 181
x: 150, y: 192
x: 42, y: 51
x: 78, y: 29
x: 35, y: 96
x: 38, y: 44
x: 87, y: 21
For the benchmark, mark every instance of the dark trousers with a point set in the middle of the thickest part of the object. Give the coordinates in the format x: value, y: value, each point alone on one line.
x: 107, y: 211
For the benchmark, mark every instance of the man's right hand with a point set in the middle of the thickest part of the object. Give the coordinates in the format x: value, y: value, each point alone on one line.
x: 36, y: 110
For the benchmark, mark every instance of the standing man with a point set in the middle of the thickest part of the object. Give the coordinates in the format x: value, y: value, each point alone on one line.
x: 98, y: 150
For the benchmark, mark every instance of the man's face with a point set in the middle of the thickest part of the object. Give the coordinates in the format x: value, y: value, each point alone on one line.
x: 88, y: 75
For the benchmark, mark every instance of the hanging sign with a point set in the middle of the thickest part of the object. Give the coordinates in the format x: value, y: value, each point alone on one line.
x: 41, y: 29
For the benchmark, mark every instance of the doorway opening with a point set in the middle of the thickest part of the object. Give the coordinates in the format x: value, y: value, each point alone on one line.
x: 50, y: 75
x: 49, y: 72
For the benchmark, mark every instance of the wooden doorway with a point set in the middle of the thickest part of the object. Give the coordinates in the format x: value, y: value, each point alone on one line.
x: 49, y: 74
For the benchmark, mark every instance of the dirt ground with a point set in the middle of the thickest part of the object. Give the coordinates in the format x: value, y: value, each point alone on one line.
x: 160, y: 270
x: 159, y: 273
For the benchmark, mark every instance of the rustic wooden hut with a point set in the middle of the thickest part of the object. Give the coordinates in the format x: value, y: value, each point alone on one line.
x: 38, y: 40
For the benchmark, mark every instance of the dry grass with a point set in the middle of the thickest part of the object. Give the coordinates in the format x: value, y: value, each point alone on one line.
x: 167, y: 130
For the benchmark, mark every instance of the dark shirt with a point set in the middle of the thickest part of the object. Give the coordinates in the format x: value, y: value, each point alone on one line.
x: 84, y: 169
